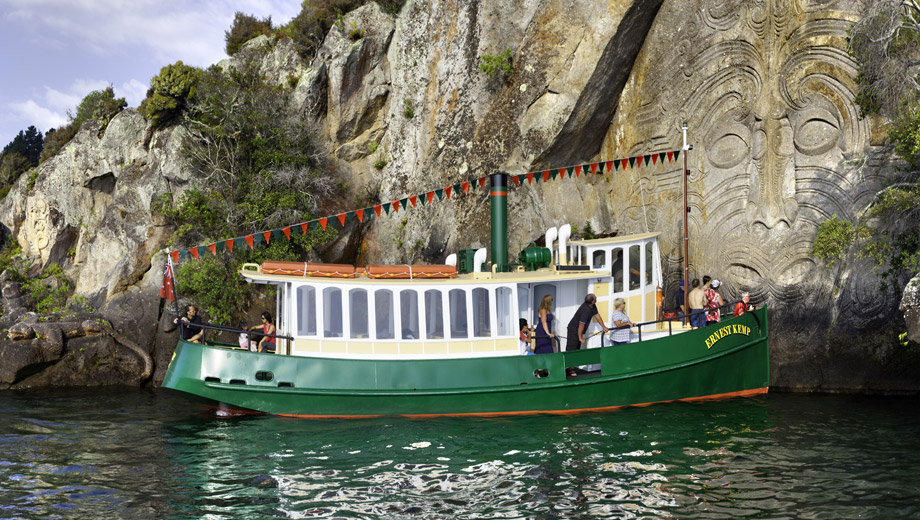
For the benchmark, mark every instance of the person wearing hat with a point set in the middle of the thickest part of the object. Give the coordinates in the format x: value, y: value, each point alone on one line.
x: 715, y: 300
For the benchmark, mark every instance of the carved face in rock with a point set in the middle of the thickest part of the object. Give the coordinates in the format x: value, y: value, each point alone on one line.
x: 768, y: 89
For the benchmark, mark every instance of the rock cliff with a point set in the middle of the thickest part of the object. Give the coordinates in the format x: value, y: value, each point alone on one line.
x: 767, y: 89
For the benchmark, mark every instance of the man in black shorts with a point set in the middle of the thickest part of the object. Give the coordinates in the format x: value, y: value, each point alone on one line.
x: 579, y: 324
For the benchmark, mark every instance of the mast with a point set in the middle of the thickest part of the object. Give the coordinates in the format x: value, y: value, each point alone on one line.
x: 686, y: 149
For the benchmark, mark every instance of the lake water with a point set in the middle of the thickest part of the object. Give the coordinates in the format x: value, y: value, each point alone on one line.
x: 152, y: 454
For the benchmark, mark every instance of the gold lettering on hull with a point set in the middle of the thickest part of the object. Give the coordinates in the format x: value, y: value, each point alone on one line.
x: 727, y: 331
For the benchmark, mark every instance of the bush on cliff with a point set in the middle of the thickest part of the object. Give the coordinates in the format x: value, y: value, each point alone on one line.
x: 169, y: 93
x: 100, y: 105
x: 245, y: 27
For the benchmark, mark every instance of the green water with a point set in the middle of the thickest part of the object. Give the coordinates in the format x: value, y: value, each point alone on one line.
x: 151, y: 454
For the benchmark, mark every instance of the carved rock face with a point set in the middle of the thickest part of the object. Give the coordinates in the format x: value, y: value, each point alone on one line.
x: 767, y: 88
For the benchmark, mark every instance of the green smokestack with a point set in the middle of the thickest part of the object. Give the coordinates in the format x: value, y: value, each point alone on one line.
x: 499, y: 220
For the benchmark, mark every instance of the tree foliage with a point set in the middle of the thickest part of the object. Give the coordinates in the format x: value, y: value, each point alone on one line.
x: 316, y: 17
x: 170, y: 92
x: 56, y: 139
x: 28, y: 144
x: 101, y: 105
x: 885, y: 43
x: 245, y: 27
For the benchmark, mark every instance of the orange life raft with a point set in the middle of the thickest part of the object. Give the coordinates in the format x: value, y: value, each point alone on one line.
x: 410, y: 271
x: 309, y: 269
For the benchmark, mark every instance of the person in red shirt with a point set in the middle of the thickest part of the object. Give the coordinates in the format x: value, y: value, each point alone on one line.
x: 744, y: 305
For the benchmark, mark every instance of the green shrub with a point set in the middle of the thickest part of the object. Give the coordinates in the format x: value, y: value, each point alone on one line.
x: 101, y: 105
x: 588, y: 233
x: 245, y: 27
x: 491, y: 65
x: 308, y: 29
x: 833, y: 240
x: 170, y: 92
x: 408, y: 108
x: 56, y: 139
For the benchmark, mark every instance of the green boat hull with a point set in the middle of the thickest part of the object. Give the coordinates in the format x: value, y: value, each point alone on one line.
x: 727, y: 359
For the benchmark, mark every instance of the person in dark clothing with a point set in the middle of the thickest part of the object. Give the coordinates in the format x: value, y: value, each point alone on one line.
x: 681, y: 303
x: 188, y: 331
x: 579, y: 323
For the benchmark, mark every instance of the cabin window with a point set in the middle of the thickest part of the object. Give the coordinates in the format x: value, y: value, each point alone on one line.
x: 357, y: 303
x: 503, y: 311
x: 434, y: 315
x: 481, y: 316
x: 408, y: 314
x: 649, y: 263
x: 458, y: 319
x: 383, y: 311
x: 599, y: 259
x: 616, y: 269
x: 332, y: 312
x: 306, y: 311
x: 633, y: 265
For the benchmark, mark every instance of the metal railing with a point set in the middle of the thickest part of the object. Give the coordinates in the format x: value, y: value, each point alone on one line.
x: 233, y: 330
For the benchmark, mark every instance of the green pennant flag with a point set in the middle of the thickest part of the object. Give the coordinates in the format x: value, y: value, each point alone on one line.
x: 183, y: 254
x: 616, y: 164
x: 277, y: 234
x: 632, y: 162
x: 404, y: 202
x: 676, y: 154
x: 570, y: 170
x: 256, y: 240
x: 457, y: 189
x: 386, y: 207
x: 221, y: 246
x: 440, y: 193
x: 350, y: 216
x: 553, y: 173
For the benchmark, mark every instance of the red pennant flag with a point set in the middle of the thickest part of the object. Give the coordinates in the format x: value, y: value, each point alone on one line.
x: 593, y: 168
x: 194, y: 252
x: 530, y: 178
x: 546, y: 176
x: 670, y: 156
x: 287, y: 232
x: 304, y: 227
x: 213, y: 249
x: 577, y: 171
x: 267, y: 235
x: 516, y: 179
x: 610, y: 165
x: 360, y: 214
x: 561, y: 173
x: 322, y: 222
x: 341, y: 217
x: 229, y: 244
x: 377, y: 209
x: 654, y: 159
x: 166, y: 291
x: 413, y: 200
x: 249, y: 241
x: 482, y: 182
x: 175, y: 256
x: 466, y: 187
x: 430, y: 196
x: 447, y: 191
x: 395, y: 206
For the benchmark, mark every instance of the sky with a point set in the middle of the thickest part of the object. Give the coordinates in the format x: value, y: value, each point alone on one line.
x: 55, y: 52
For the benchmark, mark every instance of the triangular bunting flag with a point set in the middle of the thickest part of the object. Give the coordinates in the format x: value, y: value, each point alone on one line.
x: 661, y: 156
x: 213, y: 249
x: 194, y: 252
x: 609, y: 163
x: 341, y: 217
x: 654, y: 159
x: 482, y: 182
x: 447, y: 190
x: 676, y: 155
x: 386, y: 207
x: 360, y: 214
x: 594, y: 169
x: 267, y: 235
x: 322, y: 222
x: 632, y: 162
x: 404, y: 202
x: 530, y: 178
x: 249, y: 241
x: 304, y: 227
x: 229, y: 244
x: 466, y: 187
x: 429, y: 196
x: 183, y: 254
x: 413, y: 199
x: 560, y: 172
x: 457, y: 188
x: 577, y: 171
x: 287, y: 232
x: 377, y: 209
x: 395, y: 206
x: 646, y: 158
x: 616, y: 164
x: 440, y: 193
x: 623, y: 163
x: 570, y: 170
x: 670, y: 156
x: 175, y: 256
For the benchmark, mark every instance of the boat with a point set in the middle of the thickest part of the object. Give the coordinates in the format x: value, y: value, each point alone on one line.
x: 444, y: 340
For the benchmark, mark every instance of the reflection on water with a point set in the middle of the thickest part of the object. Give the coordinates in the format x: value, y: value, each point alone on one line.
x: 154, y: 455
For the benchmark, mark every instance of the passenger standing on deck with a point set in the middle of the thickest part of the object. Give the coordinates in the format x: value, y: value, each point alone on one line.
x: 697, y: 302
x: 266, y: 343
x: 544, y: 331
x: 744, y: 305
x: 620, y: 336
x: 525, y: 338
x: 681, y: 304
x: 713, y: 315
x: 579, y: 324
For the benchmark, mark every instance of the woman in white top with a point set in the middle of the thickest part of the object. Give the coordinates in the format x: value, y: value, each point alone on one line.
x: 617, y: 335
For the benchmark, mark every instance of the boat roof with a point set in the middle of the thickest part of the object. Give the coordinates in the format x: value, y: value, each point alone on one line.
x: 620, y: 239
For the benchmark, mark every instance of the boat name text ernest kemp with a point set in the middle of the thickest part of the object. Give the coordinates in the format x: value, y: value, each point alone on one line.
x: 725, y: 331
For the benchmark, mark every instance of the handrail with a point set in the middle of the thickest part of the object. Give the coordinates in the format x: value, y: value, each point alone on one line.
x: 234, y: 330
x: 728, y: 306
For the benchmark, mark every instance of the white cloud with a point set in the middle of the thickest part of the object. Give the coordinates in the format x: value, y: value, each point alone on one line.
x: 43, y: 118
x: 133, y: 91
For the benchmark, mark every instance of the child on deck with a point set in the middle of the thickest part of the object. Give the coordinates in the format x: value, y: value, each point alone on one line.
x: 525, y: 339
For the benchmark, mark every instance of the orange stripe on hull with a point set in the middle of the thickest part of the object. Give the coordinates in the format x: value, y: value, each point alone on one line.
x: 729, y: 395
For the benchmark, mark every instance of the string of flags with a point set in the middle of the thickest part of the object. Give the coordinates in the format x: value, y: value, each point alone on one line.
x: 455, y: 190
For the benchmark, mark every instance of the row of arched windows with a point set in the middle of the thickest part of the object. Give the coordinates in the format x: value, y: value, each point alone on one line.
x: 404, y: 314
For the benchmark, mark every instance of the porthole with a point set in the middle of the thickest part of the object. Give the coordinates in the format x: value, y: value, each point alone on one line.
x: 210, y: 379
x: 541, y: 373
x: 264, y: 375
x: 237, y: 382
